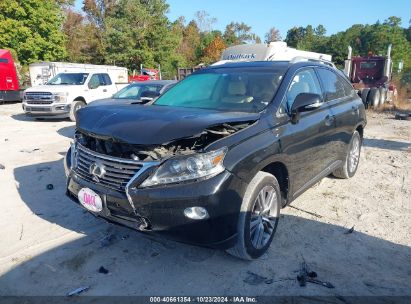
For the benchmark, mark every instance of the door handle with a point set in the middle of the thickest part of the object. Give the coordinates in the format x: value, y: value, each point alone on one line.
x: 355, y: 110
x: 329, y: 120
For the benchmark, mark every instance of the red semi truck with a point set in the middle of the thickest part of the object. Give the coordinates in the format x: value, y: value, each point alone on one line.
x: 9, y: 83
x: 371, y: 76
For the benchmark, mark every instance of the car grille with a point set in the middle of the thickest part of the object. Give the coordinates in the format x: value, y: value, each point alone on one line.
x: 118, y: 172
x: 39, y: 98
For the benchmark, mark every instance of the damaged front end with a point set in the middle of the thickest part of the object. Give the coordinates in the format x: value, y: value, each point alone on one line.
x: 184, y: 146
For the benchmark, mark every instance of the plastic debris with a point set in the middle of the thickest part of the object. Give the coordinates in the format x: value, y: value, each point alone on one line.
x: 306, y: 276
x: 2, y: 167
x: 78, y: 291
x: 29, y: 151
x: 50, y: 187
x: 103, y: 270
x: 349, y: 231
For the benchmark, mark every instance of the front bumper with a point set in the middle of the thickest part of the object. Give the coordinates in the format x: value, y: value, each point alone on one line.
x: 46, y: 110
x: 161, y: 209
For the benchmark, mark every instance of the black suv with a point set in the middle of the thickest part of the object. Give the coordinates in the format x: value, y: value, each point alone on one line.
x: 213, y: 160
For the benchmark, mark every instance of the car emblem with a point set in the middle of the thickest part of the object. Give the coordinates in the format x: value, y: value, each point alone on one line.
x: 98, y: 171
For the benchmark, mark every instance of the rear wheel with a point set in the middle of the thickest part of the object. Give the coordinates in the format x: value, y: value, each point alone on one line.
x: 374, y: 98
x: 383, y: 96
x: 75, y: 106
x: 364, y: 96
x: 352, y: 159
x: 258, y: 219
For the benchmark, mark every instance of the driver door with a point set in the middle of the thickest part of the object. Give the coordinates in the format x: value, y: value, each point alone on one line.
x: 306, y: 144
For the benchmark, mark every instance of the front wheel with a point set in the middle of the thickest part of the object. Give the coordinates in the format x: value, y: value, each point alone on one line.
x: 75, y: 106
x: 352, y: 159
x: 258, y: 219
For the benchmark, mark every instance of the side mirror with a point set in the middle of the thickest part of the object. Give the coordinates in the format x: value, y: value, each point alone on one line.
x: 148, y: 96
x: 304, y: 102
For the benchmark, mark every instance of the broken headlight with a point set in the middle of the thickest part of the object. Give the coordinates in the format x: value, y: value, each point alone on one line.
x: 185, y: 168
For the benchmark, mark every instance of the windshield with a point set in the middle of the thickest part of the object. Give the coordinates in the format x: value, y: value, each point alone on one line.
x: 135, y: 90
x: 68, y: 78
x: 235, y: 89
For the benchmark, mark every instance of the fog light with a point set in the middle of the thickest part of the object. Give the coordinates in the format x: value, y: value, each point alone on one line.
x: 196, y: 213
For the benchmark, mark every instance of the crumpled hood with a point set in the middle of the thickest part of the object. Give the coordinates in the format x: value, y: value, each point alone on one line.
x: 152, y: 125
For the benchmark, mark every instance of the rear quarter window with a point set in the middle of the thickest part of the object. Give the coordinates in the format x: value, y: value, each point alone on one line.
x: 335, y: 86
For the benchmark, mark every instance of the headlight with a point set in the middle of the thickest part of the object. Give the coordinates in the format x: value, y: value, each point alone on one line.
x: 184, y: 168
x: 60, y: 97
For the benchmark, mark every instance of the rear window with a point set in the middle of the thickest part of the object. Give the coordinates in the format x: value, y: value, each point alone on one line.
x: 367, y: 65
x: 4, y: 60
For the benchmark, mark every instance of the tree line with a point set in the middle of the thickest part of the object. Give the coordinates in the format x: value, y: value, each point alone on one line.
x: 134, y: 32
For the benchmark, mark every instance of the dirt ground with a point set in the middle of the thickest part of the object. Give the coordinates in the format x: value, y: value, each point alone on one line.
x: 50, y: 246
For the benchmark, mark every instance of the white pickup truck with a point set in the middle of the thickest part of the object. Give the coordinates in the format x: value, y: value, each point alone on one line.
x: 66, y: 93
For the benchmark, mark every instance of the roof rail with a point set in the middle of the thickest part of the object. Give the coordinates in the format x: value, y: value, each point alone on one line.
x: 319, y: 60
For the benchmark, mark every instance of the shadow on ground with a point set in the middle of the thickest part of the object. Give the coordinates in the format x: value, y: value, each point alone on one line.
x: 387, y: 144
x: 356, y: 263
x: 67, y: 131
x: 24, y: 117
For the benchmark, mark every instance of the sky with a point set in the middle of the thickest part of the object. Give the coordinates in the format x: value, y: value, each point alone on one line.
x: 261, y: 15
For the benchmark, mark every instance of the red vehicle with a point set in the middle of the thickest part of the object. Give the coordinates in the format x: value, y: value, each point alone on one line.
x: 146, y: 74
x: 371, y: 76
x: 9, y: 83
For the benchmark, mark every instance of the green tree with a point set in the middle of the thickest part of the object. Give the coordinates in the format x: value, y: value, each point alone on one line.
x: 238, y: 33
x: 33, y: 29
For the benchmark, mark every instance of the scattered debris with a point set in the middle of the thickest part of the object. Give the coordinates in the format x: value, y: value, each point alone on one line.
x: 311, y: 213
x: 43, y: 169
x: 78, y: 291
x: 108, y: 240
x: 403, y: 116
x: 21, y: 232
x: 103, y: 270
x: 349, y: 231
x: 6, y: 139
x: 306, y: 276
x: 2, y: 167
x: 29, y: 151
x: 50, y: 187
x: 154, y: 254
x: 50, y: 267
x: 255, y: 279
x: 125, y: 237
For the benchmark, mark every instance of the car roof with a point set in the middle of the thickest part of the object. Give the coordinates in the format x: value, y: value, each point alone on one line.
x: 267, y: 64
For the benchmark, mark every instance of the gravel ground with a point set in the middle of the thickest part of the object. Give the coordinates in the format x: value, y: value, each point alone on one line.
x: 49, y: 246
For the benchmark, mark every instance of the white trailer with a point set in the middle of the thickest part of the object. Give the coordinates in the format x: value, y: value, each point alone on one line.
x: 41, y: 72
x: 275, y: 51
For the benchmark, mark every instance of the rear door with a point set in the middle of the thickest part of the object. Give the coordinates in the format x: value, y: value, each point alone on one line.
x: 306, y: 144
x: 344, y: 105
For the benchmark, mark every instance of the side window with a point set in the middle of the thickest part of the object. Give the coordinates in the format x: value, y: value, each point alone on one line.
x: 305, y: 81
x: 333, y: 84
x: 94, y: 81
x: 105, y: 79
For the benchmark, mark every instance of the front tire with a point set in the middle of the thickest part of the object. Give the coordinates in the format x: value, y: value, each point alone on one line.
x: 352, y: 159
x: 75, y: 106
x: 258, y: 219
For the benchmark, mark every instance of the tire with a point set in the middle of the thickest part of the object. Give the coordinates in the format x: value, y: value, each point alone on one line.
x: 352, y: 159
x: 374, y: 98
x: 75, y: 106
x: 383, y: 96
x: 364, y: 97
x: 248, y: 245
